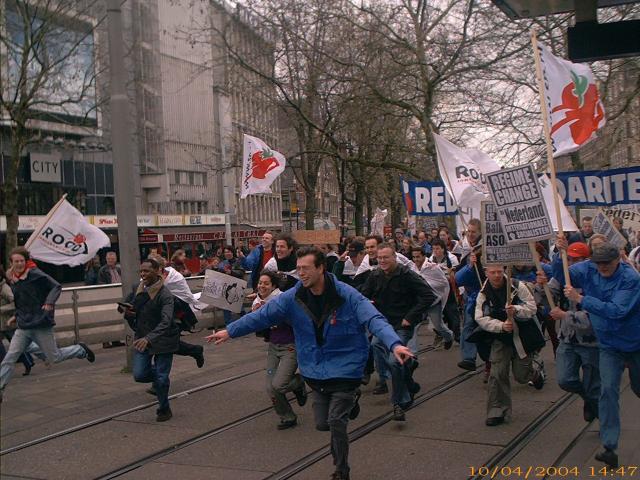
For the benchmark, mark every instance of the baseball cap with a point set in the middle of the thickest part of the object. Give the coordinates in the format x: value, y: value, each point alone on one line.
x: 579, y: 250
x: 605, y: 253
x: 355, y: 247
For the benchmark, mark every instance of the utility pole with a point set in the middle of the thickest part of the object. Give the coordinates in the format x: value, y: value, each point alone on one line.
x: 122, y: 164
x: 222, y: 184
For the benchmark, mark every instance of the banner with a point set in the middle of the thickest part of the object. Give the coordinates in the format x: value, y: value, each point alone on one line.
x: 66, y: 237
x: 603, y: 225
x: 568, y: 223
x: 311, y: 237
x: 463, y: 170
x: 260, y: 166
x: 575, y: 111
x: 495, y: 250
x: 520, y: 204
x: 426, y: 199
x: 223, y: 291
x: 596, y: 187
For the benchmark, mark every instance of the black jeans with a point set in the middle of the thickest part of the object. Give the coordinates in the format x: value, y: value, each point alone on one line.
x: 331, y: 411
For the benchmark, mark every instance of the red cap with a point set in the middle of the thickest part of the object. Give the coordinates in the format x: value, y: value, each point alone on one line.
x: 579, y: 250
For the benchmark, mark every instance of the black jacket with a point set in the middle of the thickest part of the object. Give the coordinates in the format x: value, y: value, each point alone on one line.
x: 153, y: 318
x: 30, y: 294
x: 104, y: 275
x: 401, y: 295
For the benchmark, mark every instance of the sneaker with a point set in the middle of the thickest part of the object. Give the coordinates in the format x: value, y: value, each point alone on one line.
x: 199, y: 358
x: 467, y: 365
x: 90, y: 355
x: 284, y: 424
x: 437, y: 341
x: 494, y: 421
x: 609, y: 457
x: 381, y: 389
x: 163, y: 415
x: 355, y: 410
x: 301, y: 395
x: 398, y: 413
x: 538, y: 380
x: 448, y: 344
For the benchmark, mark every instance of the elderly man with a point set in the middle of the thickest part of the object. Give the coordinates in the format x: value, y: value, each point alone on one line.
x: 611, y: 296
x: 110, y: 273
x: 499, y: 314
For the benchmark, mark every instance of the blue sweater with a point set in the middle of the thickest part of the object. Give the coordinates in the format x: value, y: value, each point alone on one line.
x: 345, y: 348
x: 613, y: 303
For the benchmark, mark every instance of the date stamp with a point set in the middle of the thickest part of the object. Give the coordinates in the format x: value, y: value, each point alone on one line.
x: 541, y: 471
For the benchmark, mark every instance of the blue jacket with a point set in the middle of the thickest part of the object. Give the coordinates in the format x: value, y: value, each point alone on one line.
x: 613, y: 303
x: 339, y: 348
x: 252, y: 262
x: 468, y: 278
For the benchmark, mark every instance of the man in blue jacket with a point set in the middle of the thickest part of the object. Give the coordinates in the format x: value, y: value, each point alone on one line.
x: 611, y: 297
x: 329, y: 320
x: 258, y: 258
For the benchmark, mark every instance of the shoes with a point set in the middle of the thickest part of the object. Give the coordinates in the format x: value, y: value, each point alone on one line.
x: 355, y: 410
x: 589, y: 411
x: 538, y: 380
x: 27, y: 370
x: 301, y: 395
x: 467, y: 365
x: 494, y: 421
x: 199, y: 358
x: 284, y: 424
x: 448, y: 344
x: 163, y: 415
x: 437, y: 341
x: 398, y: 413
x: 366, y: 378
x: 90, y: 355
x: 487, y: 372
x: 151, y: 390
x: 609, y: 457
x: 339, y: 476
x: 381, y: 389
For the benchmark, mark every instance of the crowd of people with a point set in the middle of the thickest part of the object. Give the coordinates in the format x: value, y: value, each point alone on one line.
x: 334, y: 315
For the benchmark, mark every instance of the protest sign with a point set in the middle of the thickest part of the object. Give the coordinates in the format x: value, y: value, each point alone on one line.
x: 311, y: 237
x: 520, y: 204
x: 600, y: 187
x: 223, y: 291
x: 495, y: 250
x: 602, y: 224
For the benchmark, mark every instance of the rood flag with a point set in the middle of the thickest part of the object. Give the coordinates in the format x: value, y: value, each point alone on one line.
x: 406, y: 197
x: 66, y: 238
x: 260, y: 166
x: 462, y: 171
x: 575, y: 110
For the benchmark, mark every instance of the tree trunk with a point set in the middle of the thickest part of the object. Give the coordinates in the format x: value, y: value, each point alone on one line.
x: 310, y: 209
x: 369, y: 212
x: 10, y: 190
x: 359, y: 208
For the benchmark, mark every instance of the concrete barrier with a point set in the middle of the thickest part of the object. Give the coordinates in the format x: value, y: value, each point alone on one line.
x: 89, y: 314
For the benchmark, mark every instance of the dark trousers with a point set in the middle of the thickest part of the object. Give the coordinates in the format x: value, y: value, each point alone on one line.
x: 331, y: 411
x: 188, y: 350
x: 452, y: 316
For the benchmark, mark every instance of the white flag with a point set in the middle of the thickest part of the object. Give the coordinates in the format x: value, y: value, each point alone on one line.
x: 462, y: 171
x: 260, y: 166
x: 66, y: 238
x: 575, y: 111
x: 568, y: 223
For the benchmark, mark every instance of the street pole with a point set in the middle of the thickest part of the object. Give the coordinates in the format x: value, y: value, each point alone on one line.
x: 221, y: 164
x: 122, y: 164
x: 342, y: 204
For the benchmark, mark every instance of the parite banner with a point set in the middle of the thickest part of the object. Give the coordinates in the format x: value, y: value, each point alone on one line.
x: 603, y: 188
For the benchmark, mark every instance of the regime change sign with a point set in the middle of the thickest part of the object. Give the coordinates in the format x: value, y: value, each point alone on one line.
x: 520, y: 204
x: 495, y: 249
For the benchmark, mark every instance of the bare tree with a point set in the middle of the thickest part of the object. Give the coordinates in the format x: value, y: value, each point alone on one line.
x: 47, y: 75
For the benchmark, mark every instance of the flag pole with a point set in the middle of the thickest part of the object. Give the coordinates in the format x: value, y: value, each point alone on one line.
x: 536, y: 259
x: 35, y: 234
x: 550, y: 161
x: 464, y: 224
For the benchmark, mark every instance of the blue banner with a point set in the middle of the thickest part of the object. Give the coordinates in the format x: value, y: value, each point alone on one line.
x: 606, y: 187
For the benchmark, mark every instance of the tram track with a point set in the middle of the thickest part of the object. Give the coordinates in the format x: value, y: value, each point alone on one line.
x: 307, y: 460
x: 501, y: 459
